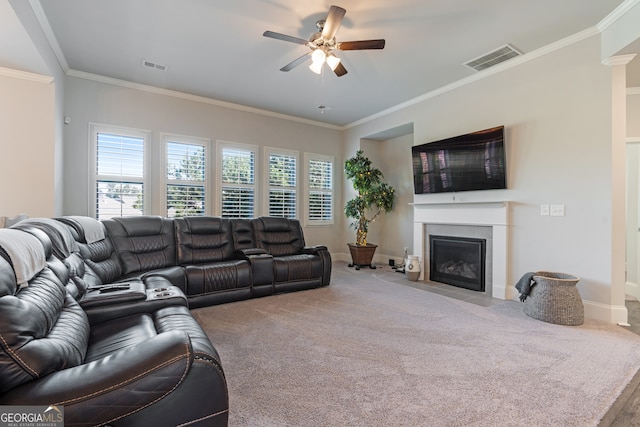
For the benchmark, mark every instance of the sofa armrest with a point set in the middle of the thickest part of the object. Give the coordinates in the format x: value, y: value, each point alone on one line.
x: 313, y: 250
x: 246, y: 253
x: 325, y: 255
x: 261, y: 268
x: 111, y: 388
x: 154, y: 300
x: 113, y: 293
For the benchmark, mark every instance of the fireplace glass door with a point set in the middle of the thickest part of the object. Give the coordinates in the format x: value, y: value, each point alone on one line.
x: 458, y: 261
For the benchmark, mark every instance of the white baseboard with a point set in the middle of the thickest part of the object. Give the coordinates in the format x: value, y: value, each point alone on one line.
x: 633, y: 289
x: 593, y: 310
x: 605, y: 312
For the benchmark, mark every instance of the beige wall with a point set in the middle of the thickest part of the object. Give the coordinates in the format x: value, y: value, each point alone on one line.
x: 88, y: 101
x: 393, y: 231
x: 27, y: 141
x: 557, y: 114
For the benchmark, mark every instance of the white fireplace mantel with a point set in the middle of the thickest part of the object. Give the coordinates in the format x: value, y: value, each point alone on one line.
x: 494, y: 214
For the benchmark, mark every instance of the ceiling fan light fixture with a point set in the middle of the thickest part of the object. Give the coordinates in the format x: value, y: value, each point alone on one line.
x: 318, y: 56
x: 333, y: 61
x: 316, y: 67
x: 323, y: 42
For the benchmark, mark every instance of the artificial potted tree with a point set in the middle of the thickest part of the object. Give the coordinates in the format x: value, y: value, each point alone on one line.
x: 374, y: 196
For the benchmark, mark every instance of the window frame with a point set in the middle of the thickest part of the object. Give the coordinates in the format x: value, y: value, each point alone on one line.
x: 308, y: 157
x: 220, y: 147
x: 205, y: 143
x: 95, y: 177
x: 268, y: 151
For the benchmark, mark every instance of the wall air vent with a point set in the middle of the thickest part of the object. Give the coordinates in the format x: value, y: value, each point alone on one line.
x: 153, y: 65
x: 493, y: 58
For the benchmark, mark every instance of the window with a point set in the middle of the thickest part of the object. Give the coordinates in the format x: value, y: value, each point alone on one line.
x: 282, y: 182
x: 185, y: 176
x: 237, y: 178
x: 319, y: 173
x: 119, y: 171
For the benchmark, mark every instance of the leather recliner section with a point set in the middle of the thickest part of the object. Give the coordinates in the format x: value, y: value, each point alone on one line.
x: 151, y: 367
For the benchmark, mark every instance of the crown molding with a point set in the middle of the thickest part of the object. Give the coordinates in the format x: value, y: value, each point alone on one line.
x: 619, y: 60
x: 48, y: 33
x: 195, y: 98
x: 513, y: 62
x: 618, y: 12
x: 24, y: 75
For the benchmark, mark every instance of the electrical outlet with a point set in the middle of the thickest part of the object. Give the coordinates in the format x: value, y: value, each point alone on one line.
x: 544, y: 210
x: 557, y: 210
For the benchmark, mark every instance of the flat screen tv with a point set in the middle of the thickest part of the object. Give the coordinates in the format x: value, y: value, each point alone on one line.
x: 475, y: 161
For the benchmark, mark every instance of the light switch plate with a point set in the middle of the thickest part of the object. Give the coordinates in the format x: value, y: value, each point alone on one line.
x: 557, y: 210
x: 544, y: 210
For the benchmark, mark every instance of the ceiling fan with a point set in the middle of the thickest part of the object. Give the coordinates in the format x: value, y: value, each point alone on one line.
x: 323, y: 43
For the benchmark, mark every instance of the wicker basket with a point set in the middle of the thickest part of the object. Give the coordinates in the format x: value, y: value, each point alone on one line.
x: 555, y: 299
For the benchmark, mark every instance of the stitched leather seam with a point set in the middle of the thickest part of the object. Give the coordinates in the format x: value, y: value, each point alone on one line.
x: 184, y: 374
x: 197, y: 420
x: 142, y: 374
x: 17, y: 358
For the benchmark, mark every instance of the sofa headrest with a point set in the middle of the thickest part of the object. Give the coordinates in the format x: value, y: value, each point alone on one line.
x: 142, y: 243
x: 62, y: 241
x: 274, y: 224
x: 141, y: 226
x: 205, y: 224
x: 25, y: 252
x: 89, y: 228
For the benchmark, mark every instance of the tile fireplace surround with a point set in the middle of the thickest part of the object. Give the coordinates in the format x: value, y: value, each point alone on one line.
x: 493, y: 215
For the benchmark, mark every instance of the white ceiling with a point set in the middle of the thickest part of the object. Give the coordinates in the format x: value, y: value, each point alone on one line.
x: 215, y: 49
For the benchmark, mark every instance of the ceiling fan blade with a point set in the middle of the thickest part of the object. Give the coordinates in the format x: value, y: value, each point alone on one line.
x: 285, y: 38
x: 293, y: 64
x: 340, y: 70
x: 333, y: 21
x: 361, y: 45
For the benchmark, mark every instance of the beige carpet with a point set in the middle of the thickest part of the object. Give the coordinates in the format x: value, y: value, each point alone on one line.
x: 369, y: 351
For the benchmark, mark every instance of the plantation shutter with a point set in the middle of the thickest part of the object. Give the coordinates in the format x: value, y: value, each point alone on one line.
x: 282, y: 185
x: 320, y: 208
x: 185, y: 176
x: 238, y: 183
x: 119, y: 175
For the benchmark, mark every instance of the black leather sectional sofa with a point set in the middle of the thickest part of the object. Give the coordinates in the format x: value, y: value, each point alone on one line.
x: 94, y: 316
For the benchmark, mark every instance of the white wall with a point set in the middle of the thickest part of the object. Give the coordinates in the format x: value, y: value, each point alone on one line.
x: 398, y: 228
x: 27, y: 144
x: 90, y: 101
x: 393, y: 232
x: 633, y: 115
x: 557, y: 114
x: 633, y: 196
x: 29, y: 20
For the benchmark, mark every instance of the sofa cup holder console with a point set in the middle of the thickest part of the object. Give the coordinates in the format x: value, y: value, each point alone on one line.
x: 162, y: 293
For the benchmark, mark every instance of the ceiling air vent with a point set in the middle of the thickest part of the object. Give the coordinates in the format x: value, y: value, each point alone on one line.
x: 493, y: 58
x: 155, y: 66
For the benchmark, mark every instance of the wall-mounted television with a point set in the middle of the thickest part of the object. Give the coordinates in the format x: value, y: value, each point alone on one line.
x: 475, y: 161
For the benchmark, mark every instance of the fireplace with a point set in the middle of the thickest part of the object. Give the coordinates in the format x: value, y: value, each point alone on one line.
x: 483, y: 220
x: 458, y: 261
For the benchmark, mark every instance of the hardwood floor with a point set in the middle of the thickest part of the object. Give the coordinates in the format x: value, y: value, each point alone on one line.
x: 626, y: 410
